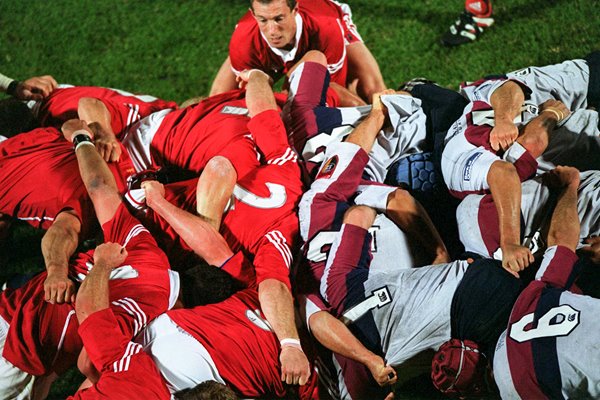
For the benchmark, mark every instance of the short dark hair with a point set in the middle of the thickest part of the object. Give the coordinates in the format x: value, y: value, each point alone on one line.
x: 15, y: 117
x: 204, y: 284
x: 208, y: 390
x: 291, y: 3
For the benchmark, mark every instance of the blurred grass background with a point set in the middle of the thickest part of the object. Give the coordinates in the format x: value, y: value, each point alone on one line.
x: 173, y: 50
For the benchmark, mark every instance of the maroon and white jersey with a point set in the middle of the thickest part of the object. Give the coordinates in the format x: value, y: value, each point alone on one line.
x: 144, y: 286
x: 313, y: 124
x: 567, y: 81
x: 241, y: 344
x: 478, y: 218
x: 127, y: 372
x: 125, y: 108
x: 249, y: 49
x: 39, y: 178
x: 550, y: 347
x: 468, y: 154
x: 188, y: 138
x: 42, y: 337
x: 337, y: 187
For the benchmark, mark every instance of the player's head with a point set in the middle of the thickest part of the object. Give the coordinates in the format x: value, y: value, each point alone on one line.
x: 208, y: 390
x: 277, y: 21
x: 204, y: 284
x: 15, y: 117
x: 460, y: 370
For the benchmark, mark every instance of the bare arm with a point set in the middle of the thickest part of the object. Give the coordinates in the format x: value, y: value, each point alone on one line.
x: 97, y: 178
x: 506, y: 102
x: 363, y: 66
x: 411, y: 217
x: 259, y: 94
x: 333, y: 334
x: 365, y: 133
x: 536, y: 134
x: 225, y: 79
x: 347, y: 98
x: 95, y: 113
x: 58, y: 244
x: 205, y: 240
x: 277, y: 304
x: 506, y: 191
x: 35, y: 88
x: 564, y: 225
x: 94, y: 290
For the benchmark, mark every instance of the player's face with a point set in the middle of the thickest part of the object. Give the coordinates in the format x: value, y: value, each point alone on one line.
x: 277, y: 22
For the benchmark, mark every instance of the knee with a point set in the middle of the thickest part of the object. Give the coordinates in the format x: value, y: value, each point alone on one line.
x: 316, y: 57
x: 362, y: 216
x: 220, y: 167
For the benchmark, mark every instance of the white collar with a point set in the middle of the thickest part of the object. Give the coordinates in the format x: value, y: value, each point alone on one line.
x: 285, y: 54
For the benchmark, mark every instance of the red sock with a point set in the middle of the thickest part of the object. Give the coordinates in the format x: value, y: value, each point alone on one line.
x: 479, y: 8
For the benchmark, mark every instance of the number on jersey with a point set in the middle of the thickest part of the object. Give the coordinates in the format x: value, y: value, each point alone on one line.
x: 558, y: 321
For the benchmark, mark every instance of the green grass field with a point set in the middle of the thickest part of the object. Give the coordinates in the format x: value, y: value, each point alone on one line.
x: 173, y: 49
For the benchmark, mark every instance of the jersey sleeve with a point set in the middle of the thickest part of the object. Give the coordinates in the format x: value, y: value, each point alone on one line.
x: 559, y: 267
x: 241, y: 269
x: 331, y: 38
x: 483, y: 89
x: 122, y: 115
x: 270, y: 136
x: 273, y: 257
x: 241, y: 48
x: 126, y: 230
x: 125, y: 368
x: 335, y: 183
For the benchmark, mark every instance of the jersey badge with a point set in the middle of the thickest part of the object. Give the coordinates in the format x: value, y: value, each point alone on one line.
x: 469, y: 166
x: 234, y: 110
x: 328, y: 168
x: 255, y: 317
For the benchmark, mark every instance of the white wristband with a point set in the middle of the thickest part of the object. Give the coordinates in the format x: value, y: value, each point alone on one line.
x: 289, y: 342
x: 84, y: 144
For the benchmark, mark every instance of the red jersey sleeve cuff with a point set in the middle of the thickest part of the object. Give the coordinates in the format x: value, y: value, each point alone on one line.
x: 241, y: 269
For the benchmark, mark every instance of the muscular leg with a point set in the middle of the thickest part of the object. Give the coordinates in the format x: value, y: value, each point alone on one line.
x: 363, y: 66
x: 214, y: 190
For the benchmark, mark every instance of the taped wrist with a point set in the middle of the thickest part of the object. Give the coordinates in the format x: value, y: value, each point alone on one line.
x: 12, y: 88
x: 81, y: 139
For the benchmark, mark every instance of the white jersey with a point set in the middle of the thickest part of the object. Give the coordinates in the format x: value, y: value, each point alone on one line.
x: 312, y: 125
x: 397, y: 313
x: 550, y: 349
x: 477, y: 216
x: 468, y: 156
x: 566, y: 81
